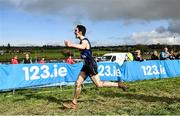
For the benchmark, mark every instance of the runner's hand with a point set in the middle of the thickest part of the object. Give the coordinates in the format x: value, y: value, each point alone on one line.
x: 67, y: 43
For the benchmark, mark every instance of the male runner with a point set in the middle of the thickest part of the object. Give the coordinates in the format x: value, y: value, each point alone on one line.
x: 89, y: 68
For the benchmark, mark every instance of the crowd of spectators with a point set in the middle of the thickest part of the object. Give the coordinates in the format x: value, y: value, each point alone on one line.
x: 26, y: 60
x: 163, y: 55
x: 166, y: 55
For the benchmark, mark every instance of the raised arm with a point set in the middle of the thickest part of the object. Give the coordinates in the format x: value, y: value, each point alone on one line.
x: 83, y: 45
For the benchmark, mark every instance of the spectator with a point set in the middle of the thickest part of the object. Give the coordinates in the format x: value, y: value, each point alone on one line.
x: 172, y: 55
x: 130, y: 56
x: 164, y: 55
x: 69, y: 60
x: 138, y: 56
x: 178, y: 55
x: 27, y: 60
x: 42, y: 61
x: 14, y: 60
x: 154, y: 56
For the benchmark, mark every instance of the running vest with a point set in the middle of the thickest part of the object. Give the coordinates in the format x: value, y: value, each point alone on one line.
x: 86, y: 53
x: 89, y: 61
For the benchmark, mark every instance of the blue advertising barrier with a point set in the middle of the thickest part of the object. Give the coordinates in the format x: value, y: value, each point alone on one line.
x: 26, y: 75
x: 133, y: 71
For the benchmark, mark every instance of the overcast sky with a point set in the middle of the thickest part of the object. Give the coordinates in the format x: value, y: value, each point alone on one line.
x: 108, y: 22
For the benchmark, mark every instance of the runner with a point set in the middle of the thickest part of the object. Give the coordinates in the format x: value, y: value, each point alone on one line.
x: 89, y: 68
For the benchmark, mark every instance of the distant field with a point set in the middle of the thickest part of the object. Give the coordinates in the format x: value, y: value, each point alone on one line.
x: 149, y: 97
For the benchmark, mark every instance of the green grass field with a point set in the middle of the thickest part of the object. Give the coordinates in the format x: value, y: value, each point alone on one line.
x: 149, y: 97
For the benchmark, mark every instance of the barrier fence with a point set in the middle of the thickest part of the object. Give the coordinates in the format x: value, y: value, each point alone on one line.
x: 28, y: 75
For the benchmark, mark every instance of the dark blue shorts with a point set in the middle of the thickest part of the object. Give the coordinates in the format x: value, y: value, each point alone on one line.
x: 90, y: 69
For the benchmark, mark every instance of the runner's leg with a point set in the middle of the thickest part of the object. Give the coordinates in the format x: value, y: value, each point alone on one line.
x: 96, y: 80
x: 78, y: 84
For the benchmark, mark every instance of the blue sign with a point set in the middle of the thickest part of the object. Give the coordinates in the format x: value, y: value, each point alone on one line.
x: 25, y: 75
x: 135, y: 70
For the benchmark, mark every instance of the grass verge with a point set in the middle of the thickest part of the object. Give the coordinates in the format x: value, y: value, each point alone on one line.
x: 149, y: 97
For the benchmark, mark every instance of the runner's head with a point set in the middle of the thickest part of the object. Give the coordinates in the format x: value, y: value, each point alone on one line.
x: 80, y: 30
